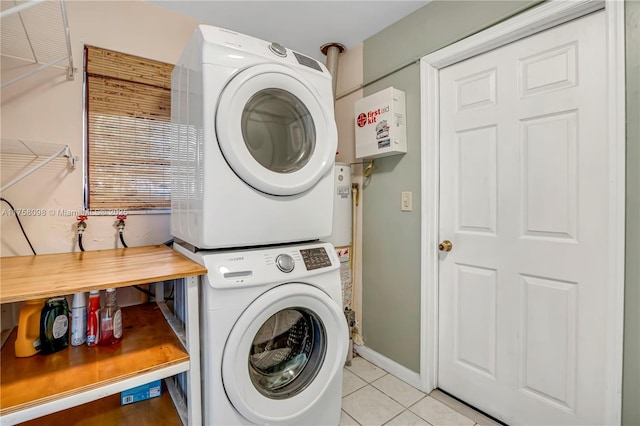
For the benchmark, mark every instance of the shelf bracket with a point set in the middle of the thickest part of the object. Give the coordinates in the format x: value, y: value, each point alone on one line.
x: 71, y: 160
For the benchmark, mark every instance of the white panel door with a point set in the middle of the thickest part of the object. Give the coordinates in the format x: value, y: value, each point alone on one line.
x: 524, y: 201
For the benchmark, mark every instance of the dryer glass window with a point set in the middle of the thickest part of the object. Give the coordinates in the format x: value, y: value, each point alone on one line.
x: 287, y: 353
x: 278, y: 130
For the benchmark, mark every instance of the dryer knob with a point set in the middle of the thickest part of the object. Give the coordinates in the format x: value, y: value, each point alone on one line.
x: 285, y: 263
x: 278, y: 49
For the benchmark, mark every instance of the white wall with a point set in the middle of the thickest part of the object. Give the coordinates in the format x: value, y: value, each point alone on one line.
x: 46, y: 107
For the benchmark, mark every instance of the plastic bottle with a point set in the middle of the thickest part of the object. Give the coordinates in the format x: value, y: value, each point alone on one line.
x: 110, y: 320
x: 78, y: 319
x: 93, y: 318
x: 28, y: 334
x: 54, y: 325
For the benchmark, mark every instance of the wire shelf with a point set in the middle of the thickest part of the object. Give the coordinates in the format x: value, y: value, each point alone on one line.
x: 33, y: 149
x: 36, y: 31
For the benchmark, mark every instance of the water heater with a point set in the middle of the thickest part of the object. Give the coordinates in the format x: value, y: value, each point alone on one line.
x: 341, y: 232
x: 342, y: 221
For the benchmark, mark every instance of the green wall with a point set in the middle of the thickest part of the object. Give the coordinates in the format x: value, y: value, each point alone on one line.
x: 631, y: 379
x: 391, y: 238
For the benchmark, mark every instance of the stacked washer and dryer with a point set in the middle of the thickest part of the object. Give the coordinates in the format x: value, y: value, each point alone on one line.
x: 253, y: 150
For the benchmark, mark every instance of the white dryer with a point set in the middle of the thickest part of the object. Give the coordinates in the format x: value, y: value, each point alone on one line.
x: 274, y: 337
x: 253, y: 143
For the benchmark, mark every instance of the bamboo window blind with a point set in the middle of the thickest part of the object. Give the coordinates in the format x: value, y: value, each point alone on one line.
x: 128, y: 111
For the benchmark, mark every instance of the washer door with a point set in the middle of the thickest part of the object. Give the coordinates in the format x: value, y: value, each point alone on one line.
x: 283, y: 352
x: 274, y: 131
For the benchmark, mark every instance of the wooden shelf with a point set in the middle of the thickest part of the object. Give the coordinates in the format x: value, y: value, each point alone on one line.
x: 80, y: 379
x: 108, y: 411
x: 149, y: 350
x: 50, y: 275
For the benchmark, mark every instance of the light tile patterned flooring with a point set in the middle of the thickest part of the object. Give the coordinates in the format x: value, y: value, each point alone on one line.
x: 373, y: 397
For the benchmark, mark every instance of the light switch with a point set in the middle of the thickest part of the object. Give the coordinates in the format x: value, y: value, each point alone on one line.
x: 406, y: 204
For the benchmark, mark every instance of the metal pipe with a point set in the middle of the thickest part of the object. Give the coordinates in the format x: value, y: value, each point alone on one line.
x: 332, y: 51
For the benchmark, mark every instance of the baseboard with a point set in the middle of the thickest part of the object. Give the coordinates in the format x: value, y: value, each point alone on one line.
x: 389, y: 365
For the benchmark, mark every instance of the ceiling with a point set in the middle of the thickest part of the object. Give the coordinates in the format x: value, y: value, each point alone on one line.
x: 304, y: 25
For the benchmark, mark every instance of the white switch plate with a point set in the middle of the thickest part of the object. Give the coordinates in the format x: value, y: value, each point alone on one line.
x: 406, y: 204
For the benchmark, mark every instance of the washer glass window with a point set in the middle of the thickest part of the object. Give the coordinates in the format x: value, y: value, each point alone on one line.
x: 287, y: 353
x: 278, y: 130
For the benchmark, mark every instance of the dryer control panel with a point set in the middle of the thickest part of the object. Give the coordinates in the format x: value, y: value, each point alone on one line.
x: 247, y: 44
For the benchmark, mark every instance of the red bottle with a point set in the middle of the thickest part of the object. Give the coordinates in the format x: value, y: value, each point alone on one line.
x: 93, y: 318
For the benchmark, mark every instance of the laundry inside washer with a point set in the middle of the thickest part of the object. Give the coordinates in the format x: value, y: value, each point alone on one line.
x: 281, y: 351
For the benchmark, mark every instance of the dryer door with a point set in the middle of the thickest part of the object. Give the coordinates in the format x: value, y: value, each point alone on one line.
x: 283, y: 352
x: 274, y: 130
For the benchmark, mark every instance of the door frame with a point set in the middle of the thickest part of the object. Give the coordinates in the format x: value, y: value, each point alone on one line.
x: 535, y: 20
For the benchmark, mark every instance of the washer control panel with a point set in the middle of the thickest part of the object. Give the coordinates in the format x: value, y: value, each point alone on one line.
x: 265, y: 266
x: 285, y: 263
x: 315, y: 258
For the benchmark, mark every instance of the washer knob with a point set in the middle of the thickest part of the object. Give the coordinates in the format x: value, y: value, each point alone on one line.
x: 285, y: 263
x: 278, y: 49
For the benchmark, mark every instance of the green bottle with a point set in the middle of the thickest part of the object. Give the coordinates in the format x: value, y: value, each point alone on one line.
x: 54, y: 325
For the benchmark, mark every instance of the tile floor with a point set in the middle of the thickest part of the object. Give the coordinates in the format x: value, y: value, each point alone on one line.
x: 373, y: 397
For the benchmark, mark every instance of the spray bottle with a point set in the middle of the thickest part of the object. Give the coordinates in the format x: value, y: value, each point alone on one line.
x: 93, y: 318
x: 110, y: 320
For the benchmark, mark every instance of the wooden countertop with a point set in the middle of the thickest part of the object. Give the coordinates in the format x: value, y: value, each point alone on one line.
x: 50, y: 275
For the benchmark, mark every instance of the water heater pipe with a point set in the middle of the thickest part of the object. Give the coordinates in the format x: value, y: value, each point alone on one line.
x: 333, y: 51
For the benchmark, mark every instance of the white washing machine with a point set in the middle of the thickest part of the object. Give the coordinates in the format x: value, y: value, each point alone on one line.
x: 274, y: 337
x: 253, y: 143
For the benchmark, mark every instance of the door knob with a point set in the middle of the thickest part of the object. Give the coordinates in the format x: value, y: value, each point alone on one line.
x: 446, y: 245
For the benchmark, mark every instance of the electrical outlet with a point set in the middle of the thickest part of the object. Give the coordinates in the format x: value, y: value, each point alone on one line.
x: 406, y: 204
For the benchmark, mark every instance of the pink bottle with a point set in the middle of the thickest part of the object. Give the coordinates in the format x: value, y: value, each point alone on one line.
x: 93, y: 318
x: 110, y: 320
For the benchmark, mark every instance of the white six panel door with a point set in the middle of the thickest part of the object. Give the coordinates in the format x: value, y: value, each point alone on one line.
x: 523, y: 198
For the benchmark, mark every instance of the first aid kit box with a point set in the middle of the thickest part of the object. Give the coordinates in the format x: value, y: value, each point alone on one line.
x: 381, y: 127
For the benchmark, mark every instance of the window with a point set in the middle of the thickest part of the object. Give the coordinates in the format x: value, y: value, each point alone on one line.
x: 128, y: 107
